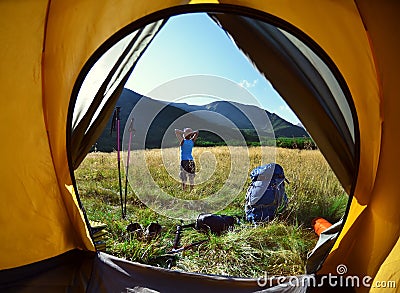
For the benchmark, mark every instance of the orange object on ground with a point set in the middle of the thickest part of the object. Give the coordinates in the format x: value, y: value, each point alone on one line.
x: 320, y: 225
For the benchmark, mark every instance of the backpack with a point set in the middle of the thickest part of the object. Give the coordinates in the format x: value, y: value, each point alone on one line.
x: 214, y: 223
x: 266, y: 196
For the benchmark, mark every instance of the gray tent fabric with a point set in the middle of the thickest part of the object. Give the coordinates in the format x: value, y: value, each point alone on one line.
x: 112, y: 274
x: 84, y: 271
x: 280, y: 59
x: 317, y: 256
x: 91, y: 112
x: 68, y: 272
x: 346, y: 125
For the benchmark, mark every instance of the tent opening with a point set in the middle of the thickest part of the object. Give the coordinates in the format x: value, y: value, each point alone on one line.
x: 251, y: 89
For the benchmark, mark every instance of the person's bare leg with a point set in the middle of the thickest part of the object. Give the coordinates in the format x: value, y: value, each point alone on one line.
x: 191, y: 182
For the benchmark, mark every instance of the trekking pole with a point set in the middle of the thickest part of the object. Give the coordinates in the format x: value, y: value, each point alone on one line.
x: 176, y: 244
x: 178, y: 233
x: 186, y: 247
x: 117, y: 111
x: 131, y: 130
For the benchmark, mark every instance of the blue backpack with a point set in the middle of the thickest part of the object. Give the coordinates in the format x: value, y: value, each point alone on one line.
x: 266, y: 196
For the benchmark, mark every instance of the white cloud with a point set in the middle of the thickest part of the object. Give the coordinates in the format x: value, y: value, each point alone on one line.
x: 248, y: 84
x: 284, y: 108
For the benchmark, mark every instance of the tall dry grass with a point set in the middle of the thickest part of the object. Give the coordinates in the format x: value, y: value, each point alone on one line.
x: 279, y: 247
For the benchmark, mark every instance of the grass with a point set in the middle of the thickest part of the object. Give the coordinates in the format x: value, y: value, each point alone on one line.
x: 254, y: 140
x: 279, y: 247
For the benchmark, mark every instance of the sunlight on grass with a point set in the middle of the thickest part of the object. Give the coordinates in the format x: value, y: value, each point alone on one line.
x: 279, y: 247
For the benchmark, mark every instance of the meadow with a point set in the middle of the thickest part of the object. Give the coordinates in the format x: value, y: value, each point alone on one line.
x: 279, y: 247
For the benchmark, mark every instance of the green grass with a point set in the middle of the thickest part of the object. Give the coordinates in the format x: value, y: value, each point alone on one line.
x: 279, y: 247
x: 302, y: 143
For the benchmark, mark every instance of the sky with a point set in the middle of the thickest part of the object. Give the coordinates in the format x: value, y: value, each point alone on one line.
x: 191, y: 45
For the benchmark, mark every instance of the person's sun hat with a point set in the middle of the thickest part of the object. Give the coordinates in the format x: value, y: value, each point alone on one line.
x: 187, y: 131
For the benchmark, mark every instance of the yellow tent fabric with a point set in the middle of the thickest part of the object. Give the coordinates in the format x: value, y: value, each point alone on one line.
x: 39, y: 217
x: 45, y: 45
x: 370, y: 238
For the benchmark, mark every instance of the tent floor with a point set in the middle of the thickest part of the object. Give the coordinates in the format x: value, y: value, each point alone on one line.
x: 84, y: 271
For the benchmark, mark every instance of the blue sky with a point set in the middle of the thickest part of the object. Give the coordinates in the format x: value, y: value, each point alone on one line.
x: 192, y: 44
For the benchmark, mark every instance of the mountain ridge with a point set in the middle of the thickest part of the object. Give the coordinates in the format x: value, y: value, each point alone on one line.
x: 217, y: 119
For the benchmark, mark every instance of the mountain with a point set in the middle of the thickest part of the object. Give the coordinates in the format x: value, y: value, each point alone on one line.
x: 300, y: 125
x: 249, y: 117
x: 155, y: 121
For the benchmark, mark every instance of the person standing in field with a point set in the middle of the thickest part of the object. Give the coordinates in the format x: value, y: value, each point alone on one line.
x: 187, y: 137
